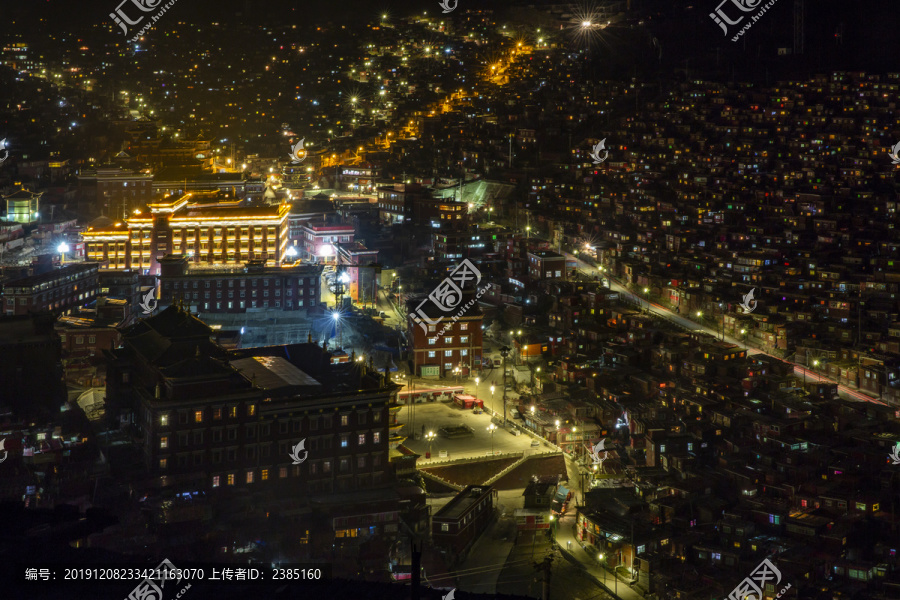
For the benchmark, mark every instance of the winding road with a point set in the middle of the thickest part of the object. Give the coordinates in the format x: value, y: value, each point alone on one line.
x: 845, y: 392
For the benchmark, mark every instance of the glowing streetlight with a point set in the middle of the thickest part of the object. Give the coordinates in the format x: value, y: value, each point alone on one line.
x: 646, y: 290
x: 586, y: 24
x: 62, y: 249
x: 430, y: 438
x: 292, y: 251
x: 699, y: 313
x: 337, y: 320
x: 491, y: 428
x: 492, y: 400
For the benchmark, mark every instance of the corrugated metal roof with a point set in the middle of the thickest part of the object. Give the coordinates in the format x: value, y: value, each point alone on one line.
x: 273, y: 372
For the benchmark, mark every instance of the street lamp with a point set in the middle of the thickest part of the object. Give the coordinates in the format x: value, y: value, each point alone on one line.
x: 337, y: 319
x: 493, y: 412
x: 430, y: 437
x: 504, y: 352
x: 491, y: 428
x: 62, y: 249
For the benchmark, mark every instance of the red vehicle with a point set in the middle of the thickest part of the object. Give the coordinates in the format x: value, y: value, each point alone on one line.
x: 466, y: 401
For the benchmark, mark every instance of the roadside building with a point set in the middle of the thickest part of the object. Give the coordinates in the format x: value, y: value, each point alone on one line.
x: 458, y: 345
x: 456, y: 526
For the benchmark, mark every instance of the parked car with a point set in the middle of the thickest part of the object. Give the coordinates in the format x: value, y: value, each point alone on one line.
x: 535, y: 443
x: 497, y: 362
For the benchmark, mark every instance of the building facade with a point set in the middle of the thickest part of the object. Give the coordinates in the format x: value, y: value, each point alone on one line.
x: 59, y: 290
x: 236, y: 289
x: 319, y: 242
x: 249, y: 418
x: 546, y: 264
x: 360, y: 265
x: 456, y: 526
x: 209, y: 228
x: 23, y: 206
x: 459, y: 344
x: 116, y: 190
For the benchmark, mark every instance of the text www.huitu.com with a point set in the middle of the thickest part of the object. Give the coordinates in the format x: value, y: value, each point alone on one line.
x: 153, y: 20
x: 753, y: 20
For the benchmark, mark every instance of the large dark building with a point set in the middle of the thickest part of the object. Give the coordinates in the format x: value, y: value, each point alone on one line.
x: 31, y: 374
x: 58, y: 291
x: 219, y: 419
x: 235, y: 289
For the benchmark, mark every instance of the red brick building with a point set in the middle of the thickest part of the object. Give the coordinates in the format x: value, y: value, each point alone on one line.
x: 447, y: 344
x: 58, y: 291
x: 545, y: 264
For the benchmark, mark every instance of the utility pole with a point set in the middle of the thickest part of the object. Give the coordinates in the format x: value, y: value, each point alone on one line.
x: 546, y: 569
x: 416, y: 569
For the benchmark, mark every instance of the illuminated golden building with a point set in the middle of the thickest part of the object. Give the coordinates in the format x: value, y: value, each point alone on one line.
x: 210, y: 228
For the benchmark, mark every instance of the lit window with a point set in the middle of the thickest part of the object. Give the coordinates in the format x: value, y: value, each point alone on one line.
x: 164, y: 419
x: 164, y: 442
x: 251, y: 410
x: 376, y: 437
x: 249, y: 476
x: 162, y: 463
x: 345, y: 420
x: 362, y: 439
x: 282, y: 472
x: 431, y: 353
x: 265, y: 474
x: 198, y: 416
x: 231, y: 479
x: 232, y: 412
x: 445, y: 527
x: 344, y: 441
x: 215, y: 481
